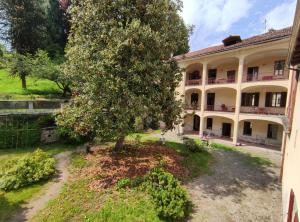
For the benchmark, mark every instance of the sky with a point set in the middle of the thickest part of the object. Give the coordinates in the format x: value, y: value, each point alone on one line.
x: 214, y: 20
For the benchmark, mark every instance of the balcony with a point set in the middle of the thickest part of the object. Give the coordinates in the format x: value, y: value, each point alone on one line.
x: 265, y: 77
x: 221, y: 108
x: 193, y: 82
x: 212, y: 81
x: 264, y: 110
x: 195, y: 106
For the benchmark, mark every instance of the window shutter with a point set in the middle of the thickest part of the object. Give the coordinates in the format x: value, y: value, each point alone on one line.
x: 268, y: 99
x: 256, y: 101
x: 283, y: 99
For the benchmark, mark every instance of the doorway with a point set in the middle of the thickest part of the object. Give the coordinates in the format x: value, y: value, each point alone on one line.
x: 196, y: 125
x: 194, y: 99
x: 226, y: 129
x: 210, y: 101
x: 252, y: 73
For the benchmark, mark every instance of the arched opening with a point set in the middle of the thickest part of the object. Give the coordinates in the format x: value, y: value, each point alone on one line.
x: 222, y: 71
x: 266, y: 66
x: 218, y: 126
x: 220, y: 99
x: 261, y: 132
x: 194, y: 74
x: 193, y: 99
x: 191, y: 124
x: 265, y: 99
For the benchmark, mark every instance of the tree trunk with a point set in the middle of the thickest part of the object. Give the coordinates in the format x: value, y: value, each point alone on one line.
x: 23, y: 79
x: 119, y: 144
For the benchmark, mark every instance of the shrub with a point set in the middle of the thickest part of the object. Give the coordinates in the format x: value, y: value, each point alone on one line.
x: 26, y: 170
x: 193, y: 146
x: 169, y: 196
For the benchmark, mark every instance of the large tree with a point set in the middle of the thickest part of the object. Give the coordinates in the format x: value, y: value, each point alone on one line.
x: 119, y: 59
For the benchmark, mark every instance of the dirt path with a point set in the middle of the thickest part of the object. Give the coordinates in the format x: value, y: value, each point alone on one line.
x: 236, y: 191
x: 30, y: 209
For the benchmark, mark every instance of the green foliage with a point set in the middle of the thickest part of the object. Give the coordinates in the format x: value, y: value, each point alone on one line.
x: 170, y: 198
x: 193, y: 146
x: 24, y: 24
x: 45, y: 68
x: 26, y: 170
x: 119, y: 59
x: 123, y: 183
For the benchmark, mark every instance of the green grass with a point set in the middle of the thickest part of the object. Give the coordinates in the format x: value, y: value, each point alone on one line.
x: 11, y: 88
x: 126, y: 207
x: 143, y: 137
x: 247, y: 158
x: 197, y: 163
x: 11, y: 201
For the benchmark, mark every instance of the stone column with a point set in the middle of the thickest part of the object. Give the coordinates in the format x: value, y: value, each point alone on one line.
x: 203, y: 98
x: 238, y: 99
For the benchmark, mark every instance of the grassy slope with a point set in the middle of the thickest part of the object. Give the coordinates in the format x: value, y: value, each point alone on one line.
x: 10, y: 88
x: 11, y: 201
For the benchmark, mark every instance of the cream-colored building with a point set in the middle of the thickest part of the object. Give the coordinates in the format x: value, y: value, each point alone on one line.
x: 291, y: 148
x: 238, y: 90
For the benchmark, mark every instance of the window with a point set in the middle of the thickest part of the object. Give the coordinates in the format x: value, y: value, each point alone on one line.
x: 247, y: 128
x: 194, y: 75
x: 272, y: 131
x: 209, y: 123
x: 276, y: 99
x: 250, y: 99
x: 279, y: 68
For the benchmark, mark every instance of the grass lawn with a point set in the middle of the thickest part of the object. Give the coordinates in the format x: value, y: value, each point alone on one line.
x: 248, y: 158
x: 11, y: 201
x: 11, y: 88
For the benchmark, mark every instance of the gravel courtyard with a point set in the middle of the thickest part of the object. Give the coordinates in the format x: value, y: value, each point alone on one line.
x: 237, y: 191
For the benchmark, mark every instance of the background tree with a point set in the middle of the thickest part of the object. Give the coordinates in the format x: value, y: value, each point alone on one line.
x: 23, y: 24
x: 21, y: 66
x: 43, y: 67
x: 58, y: 27
x: 119, y: 60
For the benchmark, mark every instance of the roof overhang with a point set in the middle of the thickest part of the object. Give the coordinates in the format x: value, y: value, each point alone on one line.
x: 294, y: 48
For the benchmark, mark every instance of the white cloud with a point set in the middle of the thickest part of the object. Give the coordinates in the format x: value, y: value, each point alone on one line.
x: 213, y: 16
x: 281, y: 16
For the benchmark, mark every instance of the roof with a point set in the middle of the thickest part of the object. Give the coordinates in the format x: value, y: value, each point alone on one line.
x: 272, y: 35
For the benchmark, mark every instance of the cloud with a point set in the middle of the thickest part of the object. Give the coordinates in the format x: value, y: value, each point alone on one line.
x: 212, y: 16
x: 281, y: 16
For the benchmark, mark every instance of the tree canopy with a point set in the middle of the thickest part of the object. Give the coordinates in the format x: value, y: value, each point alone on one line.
x: 119, y: 59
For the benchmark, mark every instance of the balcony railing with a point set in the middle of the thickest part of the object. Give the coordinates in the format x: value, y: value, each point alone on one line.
x: 263, y: 110
x: 192, y: 107
x: 265, y: 77
x: 221, y: 108
x: 193, y: 82
x: 220, y: 80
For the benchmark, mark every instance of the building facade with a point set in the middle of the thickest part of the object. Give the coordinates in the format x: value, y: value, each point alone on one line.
x: 238, y: 90
x: 291, y: 148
